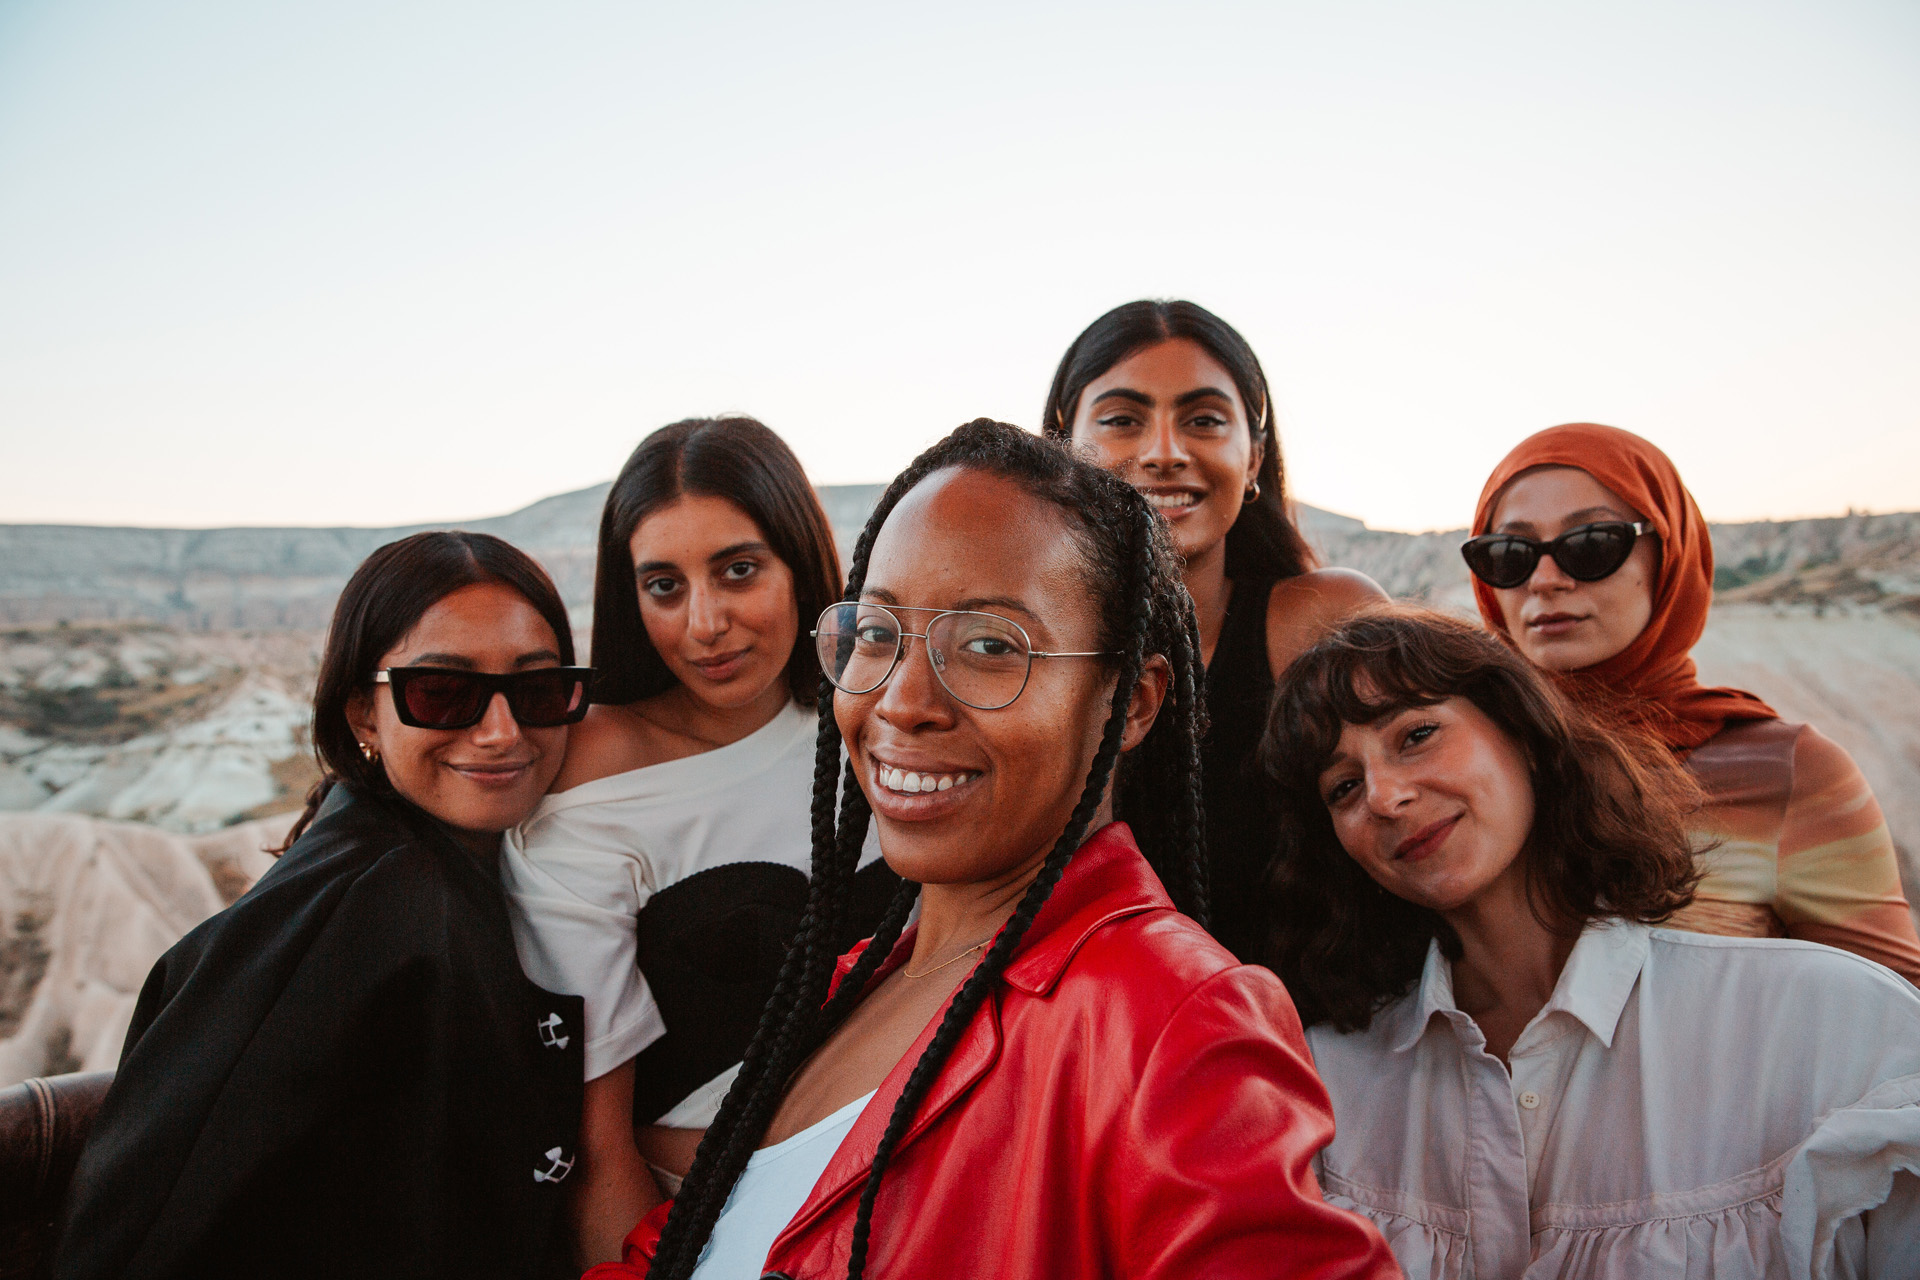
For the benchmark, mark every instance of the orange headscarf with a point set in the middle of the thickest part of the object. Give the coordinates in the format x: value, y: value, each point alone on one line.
x: 1655, y: 673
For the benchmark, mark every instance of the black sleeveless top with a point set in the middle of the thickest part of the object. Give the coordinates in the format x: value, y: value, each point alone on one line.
x: 711, y: 947
x: 1239, y: 814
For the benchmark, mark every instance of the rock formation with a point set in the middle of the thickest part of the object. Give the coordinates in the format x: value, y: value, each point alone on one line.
x: 86, y: 907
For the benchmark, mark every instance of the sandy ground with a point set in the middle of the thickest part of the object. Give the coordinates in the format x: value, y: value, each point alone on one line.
x: 1854, y: 675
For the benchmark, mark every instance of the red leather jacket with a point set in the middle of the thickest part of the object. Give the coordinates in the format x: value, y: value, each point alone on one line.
x: 1132, y: 1102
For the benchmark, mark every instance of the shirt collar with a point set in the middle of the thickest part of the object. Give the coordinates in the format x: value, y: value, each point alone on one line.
x: 1594, y: 986
x: 1434, y: 996
x: 1599, y: 976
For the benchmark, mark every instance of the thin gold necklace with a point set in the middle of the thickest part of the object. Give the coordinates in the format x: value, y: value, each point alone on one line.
x: 906, y: 972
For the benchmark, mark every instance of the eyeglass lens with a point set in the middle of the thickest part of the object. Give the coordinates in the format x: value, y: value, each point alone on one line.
x: 1586, y: 554
x: 980, y: 658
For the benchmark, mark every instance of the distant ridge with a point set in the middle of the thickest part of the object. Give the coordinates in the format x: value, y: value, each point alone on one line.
x: 254, y: 578
x: 266, y: 578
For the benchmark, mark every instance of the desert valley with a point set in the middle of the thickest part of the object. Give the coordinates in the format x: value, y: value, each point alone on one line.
x: 153, y: 687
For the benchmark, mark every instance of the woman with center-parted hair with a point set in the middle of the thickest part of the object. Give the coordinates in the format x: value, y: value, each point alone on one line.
x: 1530, y: 1077
x: 1056, y: 1072
x: 346, y: 1073
x: 665, y: 874
x: 1170, y: 398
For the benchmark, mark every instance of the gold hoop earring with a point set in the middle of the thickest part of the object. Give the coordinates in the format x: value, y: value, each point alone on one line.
x: 1252, y: 494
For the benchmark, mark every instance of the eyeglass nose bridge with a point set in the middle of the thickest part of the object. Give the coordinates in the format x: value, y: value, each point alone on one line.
x: 936, y: 657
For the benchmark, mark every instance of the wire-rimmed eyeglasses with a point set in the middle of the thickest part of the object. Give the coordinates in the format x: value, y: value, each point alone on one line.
x: 982, y: 659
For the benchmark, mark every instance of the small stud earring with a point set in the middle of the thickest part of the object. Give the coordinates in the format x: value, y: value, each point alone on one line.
x: 1253, y: 492
x: 371, y: 752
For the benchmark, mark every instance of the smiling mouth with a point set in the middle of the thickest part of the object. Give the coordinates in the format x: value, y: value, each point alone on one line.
x: 908, y: 782
x: 1171, y: 499
x: 503, y: 771
x: 1426, y: 840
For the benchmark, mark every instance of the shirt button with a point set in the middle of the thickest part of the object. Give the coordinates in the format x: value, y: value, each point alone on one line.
x: 1530, y: 1100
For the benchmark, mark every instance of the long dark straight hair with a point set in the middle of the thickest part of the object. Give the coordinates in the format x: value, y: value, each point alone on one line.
x: 381, y: 602
x: 738, y: 459
x: 1264, y: 542
x: 1133, y: 575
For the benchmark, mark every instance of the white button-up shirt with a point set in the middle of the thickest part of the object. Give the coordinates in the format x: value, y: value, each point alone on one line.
x: 1684, y: 1105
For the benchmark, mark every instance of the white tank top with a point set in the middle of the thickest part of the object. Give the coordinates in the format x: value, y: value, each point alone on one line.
x: 776, y: 1182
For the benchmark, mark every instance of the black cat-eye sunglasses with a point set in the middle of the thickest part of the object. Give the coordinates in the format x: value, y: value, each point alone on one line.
x: 1586, y: 553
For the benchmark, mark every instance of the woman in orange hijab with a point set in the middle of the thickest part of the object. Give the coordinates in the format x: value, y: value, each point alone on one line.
x: 1593, y: 560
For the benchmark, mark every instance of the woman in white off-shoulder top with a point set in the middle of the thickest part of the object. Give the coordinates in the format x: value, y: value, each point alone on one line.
x: 665, y: 873
x: 1529, y: 1078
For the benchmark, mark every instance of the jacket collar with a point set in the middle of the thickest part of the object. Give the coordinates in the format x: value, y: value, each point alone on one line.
x: 1106, y: 879
x: 1594, y: 987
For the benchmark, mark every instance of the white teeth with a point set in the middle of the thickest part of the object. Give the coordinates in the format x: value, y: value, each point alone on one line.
x: 919, y: 783
x: 1172, y: 499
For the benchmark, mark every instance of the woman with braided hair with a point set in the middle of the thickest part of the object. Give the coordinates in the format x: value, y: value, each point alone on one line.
x: 1170, y: 398
x: 1056, y: 1071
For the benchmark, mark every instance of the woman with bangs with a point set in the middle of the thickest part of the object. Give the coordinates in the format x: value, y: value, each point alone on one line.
x: 1170, y: 398
x: 664, y: 874
x: 1530, y: 1076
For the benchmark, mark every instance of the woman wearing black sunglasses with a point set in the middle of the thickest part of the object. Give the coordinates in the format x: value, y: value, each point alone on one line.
x: 663, y: 877
x: 346, y: 1073
x: 1592, y: 558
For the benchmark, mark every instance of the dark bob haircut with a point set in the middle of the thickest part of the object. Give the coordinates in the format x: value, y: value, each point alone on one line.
x: 1611, y: 808
x: 1264, y: 542
x: 380, y: 604
x: 738, y: 459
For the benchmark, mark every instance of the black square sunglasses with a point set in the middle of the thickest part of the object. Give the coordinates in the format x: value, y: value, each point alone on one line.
x: 1586, y: 553
x: 448, y: 698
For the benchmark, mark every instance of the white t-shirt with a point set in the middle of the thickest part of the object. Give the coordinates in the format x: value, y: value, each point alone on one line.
x: 578, y: 871
x: 1684, y: 1105
x: 776, y: 1182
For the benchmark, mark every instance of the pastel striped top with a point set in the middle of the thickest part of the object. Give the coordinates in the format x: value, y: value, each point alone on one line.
x: 1804, y: 850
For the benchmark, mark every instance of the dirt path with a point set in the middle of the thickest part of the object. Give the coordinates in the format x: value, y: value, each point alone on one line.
x: 1854, y: 675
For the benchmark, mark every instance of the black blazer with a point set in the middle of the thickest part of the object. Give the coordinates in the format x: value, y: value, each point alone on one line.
x: 345, y: 1073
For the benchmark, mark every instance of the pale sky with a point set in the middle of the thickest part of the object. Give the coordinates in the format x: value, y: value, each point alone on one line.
x: 375, y: 263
